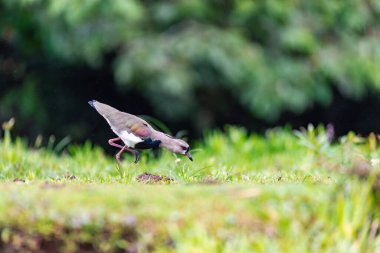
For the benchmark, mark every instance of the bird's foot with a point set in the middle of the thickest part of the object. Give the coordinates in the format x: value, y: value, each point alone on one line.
x: 137, y: 156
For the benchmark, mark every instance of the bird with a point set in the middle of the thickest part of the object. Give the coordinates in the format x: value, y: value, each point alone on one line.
x: 137, y: 134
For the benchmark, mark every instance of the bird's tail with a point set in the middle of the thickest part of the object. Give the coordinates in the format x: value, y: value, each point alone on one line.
x: 92, y: 103
x: 105, y: 110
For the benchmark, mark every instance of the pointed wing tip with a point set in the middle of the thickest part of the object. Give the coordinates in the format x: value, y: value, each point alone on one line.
x: 92, y: 103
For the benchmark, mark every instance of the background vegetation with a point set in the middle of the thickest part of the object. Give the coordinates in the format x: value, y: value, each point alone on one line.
x: 196, y: 66
x: 181, y: 61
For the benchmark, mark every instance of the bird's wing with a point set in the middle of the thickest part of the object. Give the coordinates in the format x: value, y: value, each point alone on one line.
x: 141, y: 129
x: 121, y: 121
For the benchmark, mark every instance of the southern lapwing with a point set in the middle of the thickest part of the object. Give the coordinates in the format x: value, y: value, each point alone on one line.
x: 136, y: 133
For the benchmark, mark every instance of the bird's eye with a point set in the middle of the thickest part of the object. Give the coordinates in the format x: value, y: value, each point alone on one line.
x: 184, y: 148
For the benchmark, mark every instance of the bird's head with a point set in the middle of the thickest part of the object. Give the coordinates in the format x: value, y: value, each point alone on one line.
x: 179, y: 146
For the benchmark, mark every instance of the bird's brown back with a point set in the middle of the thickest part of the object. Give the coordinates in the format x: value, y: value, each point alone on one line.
x: 120, y: 121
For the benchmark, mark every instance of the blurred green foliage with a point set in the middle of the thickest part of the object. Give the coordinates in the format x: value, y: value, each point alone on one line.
x: 272, y: 56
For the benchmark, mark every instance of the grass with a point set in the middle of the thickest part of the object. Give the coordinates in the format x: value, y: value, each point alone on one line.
x: 282, y: 192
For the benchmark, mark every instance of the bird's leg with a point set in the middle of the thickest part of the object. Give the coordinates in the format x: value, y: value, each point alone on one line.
x: 133, y: 151
x: 136, y: 153
x: 112, y: 142
x: 118, y: 154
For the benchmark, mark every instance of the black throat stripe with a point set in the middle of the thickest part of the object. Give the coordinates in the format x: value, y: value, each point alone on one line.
x: 148, y: 144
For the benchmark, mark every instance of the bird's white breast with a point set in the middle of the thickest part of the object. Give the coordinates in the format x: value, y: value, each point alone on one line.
x: 129, y: 139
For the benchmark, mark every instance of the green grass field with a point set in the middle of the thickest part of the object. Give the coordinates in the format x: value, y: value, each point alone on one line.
x: 282, y: 192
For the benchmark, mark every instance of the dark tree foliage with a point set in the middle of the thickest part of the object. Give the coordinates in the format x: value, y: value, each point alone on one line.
x: 192, y: 63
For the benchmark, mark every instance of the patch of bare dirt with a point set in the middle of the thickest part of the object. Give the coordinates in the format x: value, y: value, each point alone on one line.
x: 149, y: 178
x: 70, y: 177
x: 19, y: 241
x: 19, y: 181
x: 363, y: 170
x: 210, y: 181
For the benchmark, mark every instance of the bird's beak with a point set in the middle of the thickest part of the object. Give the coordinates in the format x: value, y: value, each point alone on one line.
x: 189, y: 156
